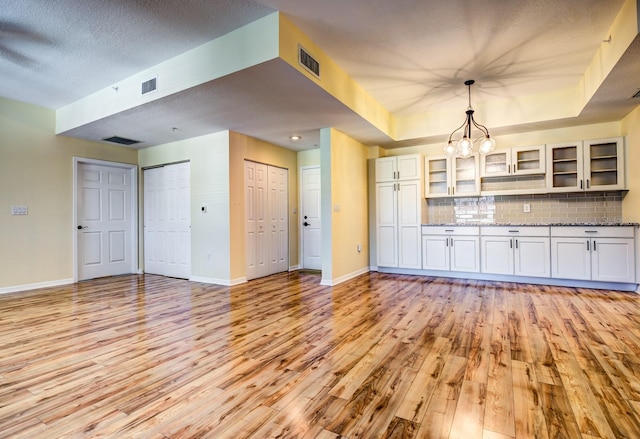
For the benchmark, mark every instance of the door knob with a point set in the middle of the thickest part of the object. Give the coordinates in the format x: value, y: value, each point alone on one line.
x: 82, y: 227
x: 306, y: 224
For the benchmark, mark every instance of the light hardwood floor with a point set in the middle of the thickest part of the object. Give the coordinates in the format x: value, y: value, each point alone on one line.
x: 282, y: 357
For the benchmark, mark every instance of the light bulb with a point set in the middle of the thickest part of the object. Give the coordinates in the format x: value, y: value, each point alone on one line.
x: 465, y: 147
x: 487, y: 145
x: 449, y: 149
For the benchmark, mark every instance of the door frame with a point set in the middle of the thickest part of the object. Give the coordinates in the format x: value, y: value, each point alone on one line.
x: 133, y: 174
x: 300, y: 229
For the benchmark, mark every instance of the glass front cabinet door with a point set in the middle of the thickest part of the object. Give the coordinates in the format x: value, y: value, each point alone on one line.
x: 592, y: 165
x: 522, y: 160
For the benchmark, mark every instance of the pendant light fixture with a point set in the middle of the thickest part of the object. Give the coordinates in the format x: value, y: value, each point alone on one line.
x: 464, y: 146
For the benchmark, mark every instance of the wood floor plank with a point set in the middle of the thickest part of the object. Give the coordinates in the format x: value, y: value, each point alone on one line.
x: 499, y: 412
x: 378, y: 356
x: 528, y: 410
x: 469, y: 418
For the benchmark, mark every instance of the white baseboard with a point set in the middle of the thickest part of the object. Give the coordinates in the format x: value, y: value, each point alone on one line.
x: 294, y: 267
x: 35, y: 286
x: 346, y: 277
x: 213, y: 281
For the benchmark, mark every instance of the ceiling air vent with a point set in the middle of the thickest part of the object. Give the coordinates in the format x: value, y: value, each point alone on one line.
x: 308, y: 62
x: 121, y: 140
x: 637, y: 95
x: 150, y: 85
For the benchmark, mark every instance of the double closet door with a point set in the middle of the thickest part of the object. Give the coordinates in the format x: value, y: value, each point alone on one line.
x: 167, y: 220
x: 266, y: 215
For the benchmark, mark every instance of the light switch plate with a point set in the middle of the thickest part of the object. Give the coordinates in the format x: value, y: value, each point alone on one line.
x: 19, y: 210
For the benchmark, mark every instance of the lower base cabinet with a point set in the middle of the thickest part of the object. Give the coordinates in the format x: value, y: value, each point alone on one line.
x: 600, y: 256
x: 605, y: 254
x: 451, y: 249
x: 519, y: 251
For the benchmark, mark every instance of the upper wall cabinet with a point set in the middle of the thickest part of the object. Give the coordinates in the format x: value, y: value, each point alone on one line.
x: 451, y: 176
x: 592, y: 165
x: 524, y: 160
x: 403, y: 167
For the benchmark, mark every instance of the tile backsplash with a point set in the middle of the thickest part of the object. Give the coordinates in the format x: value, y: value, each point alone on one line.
x: 585, y: 207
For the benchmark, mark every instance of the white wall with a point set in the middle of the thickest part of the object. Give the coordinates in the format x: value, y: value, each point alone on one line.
x: 210, y: 231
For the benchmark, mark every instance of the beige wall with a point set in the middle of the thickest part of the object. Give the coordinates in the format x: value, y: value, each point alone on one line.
x: 631, y: 202
x: 243, y: 148
x: 310, y: 157
x: 346, y: 206
x: 36, y: 170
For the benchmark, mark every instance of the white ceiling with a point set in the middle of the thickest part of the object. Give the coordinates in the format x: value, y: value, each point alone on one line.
x: 412, y: 56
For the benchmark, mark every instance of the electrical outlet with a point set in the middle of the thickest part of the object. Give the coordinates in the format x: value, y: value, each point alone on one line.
x: 19, y: 210
x: 527, y: 208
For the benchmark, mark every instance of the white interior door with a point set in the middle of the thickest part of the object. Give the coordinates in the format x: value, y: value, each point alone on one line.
x: 279, y: 178
x: 104, y: 220
x: 266, y: 219
x: 154, y: 221
x: 310, y: 217
x: 167, y: 220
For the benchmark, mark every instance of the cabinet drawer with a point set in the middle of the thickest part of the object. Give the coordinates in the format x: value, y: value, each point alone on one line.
x: 593, y: 232
x: 514, y: 231
x: 451, y: 230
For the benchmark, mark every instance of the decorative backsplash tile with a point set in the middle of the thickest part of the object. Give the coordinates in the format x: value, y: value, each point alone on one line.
x: 588, y: 207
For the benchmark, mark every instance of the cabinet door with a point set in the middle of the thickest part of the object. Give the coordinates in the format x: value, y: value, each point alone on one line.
x: 613, y: 260
x: 604, y: 164
x: 386, y: 169
x: 564, y: 167
x: 496, y: 164
x: 387, y: 224
x: 435, y: 252
x: 532, y: 256
x: 437, y: 179
x: 571, y: 258
x: 409, y: 224
x: 409, y: 167
x: 465, y: 178
x: 465, y: 253
x: 497, y: 254
x: 526, y: 160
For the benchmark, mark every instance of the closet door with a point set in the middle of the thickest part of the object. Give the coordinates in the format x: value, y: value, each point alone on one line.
x: 167, y: 220
x: 278, y: 208
x: 256, y: 213
x: 266, y: 219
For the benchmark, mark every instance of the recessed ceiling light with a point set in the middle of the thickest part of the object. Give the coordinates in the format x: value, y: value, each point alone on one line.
x: 294, y: 138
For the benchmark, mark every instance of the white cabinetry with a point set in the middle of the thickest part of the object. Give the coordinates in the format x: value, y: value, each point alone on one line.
x: 520, y: 251
x: 403, y: 167
x: 451, y: 176
x: 604, y: 254
x: 399, y: 211
x: 592, y: 165
x: 524, y: 160
x: 451, y: 248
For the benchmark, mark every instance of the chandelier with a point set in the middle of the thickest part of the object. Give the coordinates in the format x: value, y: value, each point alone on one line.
x: 464, y: 146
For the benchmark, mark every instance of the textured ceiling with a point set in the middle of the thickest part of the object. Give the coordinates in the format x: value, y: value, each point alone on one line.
x: 412, y: 56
